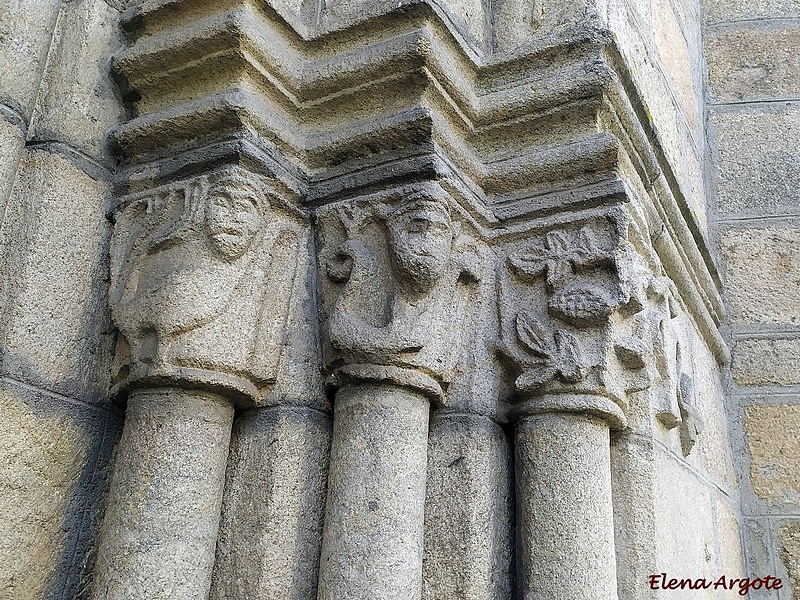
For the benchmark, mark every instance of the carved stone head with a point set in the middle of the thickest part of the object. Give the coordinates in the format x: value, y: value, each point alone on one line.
x: 420, y: 238
x: 234, y: 214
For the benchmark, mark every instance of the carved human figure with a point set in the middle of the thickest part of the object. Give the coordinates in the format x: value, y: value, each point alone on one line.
x: 233, y: 217
x: 421, y: 240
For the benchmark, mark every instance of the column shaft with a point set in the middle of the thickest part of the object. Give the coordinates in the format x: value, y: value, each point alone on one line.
x: 160, y: 528
x: 373, y: 540
x: 564, y: 509
x: 272, y: 516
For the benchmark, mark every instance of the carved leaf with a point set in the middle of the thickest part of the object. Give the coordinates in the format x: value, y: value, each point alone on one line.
x: 532, y: 379
x: 572, y: 367
x: 581, y: 306
x: 533, y: 336
x: 530, y: 262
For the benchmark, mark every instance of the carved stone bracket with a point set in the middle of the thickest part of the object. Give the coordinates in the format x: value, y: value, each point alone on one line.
x: 202, y: 277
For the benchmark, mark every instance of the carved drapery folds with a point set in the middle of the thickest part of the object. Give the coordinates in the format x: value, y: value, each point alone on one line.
x: 202, y: 277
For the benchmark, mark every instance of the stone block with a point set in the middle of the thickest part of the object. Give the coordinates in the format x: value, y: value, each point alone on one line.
x: 78, y: 102
x: 729, y: 538
x: 26, y: 27
x: 12, y: 143
x: 276, y: 484
x: 679, y: 53
x: 468, y: 511
x: 753, y: 154
x: 789, y: 541
x: 773, y: 441
x: 762, y: 274
x: 685, y: 538
x: 52, y: 480
x: 54, y: 241
x: 753, y: 63
x: 759, y: 544
x: 763, y: 362
x: 717, y: 11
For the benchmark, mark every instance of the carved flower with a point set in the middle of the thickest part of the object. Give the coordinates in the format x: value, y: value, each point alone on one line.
x: 560, y: 254
x: 552, y: 354
x: 581, y: 306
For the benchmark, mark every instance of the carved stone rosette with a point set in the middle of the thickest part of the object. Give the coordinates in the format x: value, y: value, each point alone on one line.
x: 202, y: 276
x: 577, y: 307
x: 396, y: 290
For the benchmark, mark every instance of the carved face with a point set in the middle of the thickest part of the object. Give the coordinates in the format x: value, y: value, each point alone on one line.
x: 232, y: 220
x: 421, y: 240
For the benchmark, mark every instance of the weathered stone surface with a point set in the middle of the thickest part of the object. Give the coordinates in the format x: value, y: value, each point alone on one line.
x: 202, y: 275
x: 160, y: 529
x: 773, y: 442
x: 374, y: 518
x: 759, y: 543
x: 78, y: 102
x: 763, y: 274
x: 468, y: 510
x: 752, y: 153
x: 735, y: 10
x: 729, y: 535
x: 26, y: 28
x: 54, y: 242
x: 52, y: 477
x: 12, y: 143
x: 564, y: 508
x: 685, y: 539
x: 763, y: 362
x: 789, y: 538
x: 272, y: 514
x: 753, y: 63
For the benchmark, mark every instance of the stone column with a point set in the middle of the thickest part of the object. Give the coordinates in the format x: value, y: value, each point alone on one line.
x: 160, y: 528
x: 202, y: 271
x: 564, y: 511
x: 573, y: 322
x: 390, y: 277
x: 376, y: 494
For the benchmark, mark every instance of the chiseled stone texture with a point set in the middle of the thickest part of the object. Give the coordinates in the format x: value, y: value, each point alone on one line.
x: 12, y: 143
x: 763, y: 274
x: 753, y: 63
x: 468, y: 510
x: 773, y: 441
x: 26, y: 27
x: 160, y: 529
x: 770, y: 361
x: 753, y: 150
x: 736, y: 10
x: 53, y: 253
x: 53, y: 476
x: 789, y: 539
x: 78, y: 103
x: 274, y: 505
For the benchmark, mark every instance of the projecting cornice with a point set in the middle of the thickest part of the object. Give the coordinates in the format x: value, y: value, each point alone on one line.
x: 336, y: 103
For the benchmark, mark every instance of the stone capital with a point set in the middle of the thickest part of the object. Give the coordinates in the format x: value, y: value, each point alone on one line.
x: 201, y: 280
x: 397, y: 276
x: 581, y: 318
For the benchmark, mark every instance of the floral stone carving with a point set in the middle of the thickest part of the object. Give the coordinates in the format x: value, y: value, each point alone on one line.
x: 202, y: 277
x: 573, y: 307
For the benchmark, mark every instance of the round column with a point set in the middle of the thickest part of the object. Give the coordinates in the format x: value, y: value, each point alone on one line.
x: 373, y: 539
x: 160, y: 528
x: 564, y: 508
